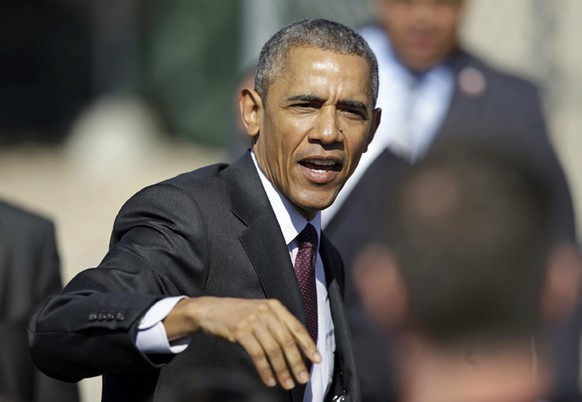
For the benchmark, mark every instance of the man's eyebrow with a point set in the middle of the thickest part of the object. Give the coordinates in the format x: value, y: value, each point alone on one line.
x: 354, y: 104
x: 347, y: 103
x: 305, y: 98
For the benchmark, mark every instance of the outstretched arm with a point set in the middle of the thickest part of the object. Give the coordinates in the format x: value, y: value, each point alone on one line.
x: 270, y: 334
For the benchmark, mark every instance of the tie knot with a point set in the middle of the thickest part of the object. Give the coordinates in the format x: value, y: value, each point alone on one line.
x: 308, y: 237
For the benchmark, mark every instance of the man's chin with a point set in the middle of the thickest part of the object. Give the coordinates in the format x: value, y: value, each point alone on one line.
x: 309, y: 210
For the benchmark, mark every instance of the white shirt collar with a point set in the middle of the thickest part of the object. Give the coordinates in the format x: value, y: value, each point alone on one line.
x: 289, y: 218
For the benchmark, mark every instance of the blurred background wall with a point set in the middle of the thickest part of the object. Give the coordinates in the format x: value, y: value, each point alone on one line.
x: 100, y: 98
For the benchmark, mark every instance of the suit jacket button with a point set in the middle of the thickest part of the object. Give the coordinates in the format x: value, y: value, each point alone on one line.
x: 92, y: 317
x: 100, y: 317
x: 120, y: 317
x: 109, y: 317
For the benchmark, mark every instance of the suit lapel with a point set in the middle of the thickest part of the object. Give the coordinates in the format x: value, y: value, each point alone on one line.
x: 465, y: 109
x: 345, y: 376
x: 266, y: 249
x: 263, y: 241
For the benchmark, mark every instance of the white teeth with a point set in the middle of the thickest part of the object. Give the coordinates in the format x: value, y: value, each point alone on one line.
x: 322, y: 162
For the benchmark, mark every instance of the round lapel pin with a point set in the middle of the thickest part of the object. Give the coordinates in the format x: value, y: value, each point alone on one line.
x: 472, y: 82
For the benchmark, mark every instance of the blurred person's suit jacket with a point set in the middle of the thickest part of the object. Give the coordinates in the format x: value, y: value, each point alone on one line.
x: 509, y: 111
x: 29, y: 272
x: 215, y: 233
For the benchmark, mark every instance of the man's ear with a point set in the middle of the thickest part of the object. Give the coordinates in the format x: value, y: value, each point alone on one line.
x: 562, y: 285
x: 251, y: 109
x: 376, y: 117
x: 380, y: 286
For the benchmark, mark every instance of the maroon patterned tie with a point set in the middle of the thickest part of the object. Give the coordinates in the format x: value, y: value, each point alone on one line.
x: 305, y: 271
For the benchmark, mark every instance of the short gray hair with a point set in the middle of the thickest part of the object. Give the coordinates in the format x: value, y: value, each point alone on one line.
x: 314, y: 33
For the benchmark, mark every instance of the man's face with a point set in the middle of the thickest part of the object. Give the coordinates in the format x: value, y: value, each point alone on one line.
x: 423, y: 32
x: 314, y: 126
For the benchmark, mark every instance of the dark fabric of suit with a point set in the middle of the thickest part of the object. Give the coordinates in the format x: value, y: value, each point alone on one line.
x: 507, y: 112
x: 208, y: 232
x: 29, y: 272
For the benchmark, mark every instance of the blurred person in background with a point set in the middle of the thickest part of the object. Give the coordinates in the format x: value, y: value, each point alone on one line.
x: 432, y: 89
x: 468, y: 277
x: 226, y: 266
x: 240, y: 141
x: 29, y: 273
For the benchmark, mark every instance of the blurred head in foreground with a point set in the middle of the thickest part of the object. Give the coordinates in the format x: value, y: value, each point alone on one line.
x: 470, y: 276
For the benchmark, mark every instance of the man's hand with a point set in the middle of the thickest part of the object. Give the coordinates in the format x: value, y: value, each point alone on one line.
x: 269, y: 333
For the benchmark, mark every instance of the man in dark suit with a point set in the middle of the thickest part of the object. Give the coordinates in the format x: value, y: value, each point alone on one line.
x: 200, y: 272
x: 431, y: 90
x: 29, y: 273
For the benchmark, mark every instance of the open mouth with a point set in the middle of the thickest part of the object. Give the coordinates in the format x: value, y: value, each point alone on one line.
x: 323, y: 165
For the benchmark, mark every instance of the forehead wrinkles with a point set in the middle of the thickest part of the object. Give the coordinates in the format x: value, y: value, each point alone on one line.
x: 345, y: 71
x: 287, y: 60
x: 281, y: 63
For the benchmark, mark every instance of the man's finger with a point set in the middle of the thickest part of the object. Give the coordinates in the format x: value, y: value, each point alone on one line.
x: 248, y: 341
x: 290, y: 350
x: 274, y: 351
x: 298, y: 331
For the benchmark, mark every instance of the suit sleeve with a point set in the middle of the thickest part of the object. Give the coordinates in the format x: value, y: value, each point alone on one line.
x: 564, y: 337
x: 49, y: 283
x: 157, y: 247
x: 47, y: 272
x: 549, y: 167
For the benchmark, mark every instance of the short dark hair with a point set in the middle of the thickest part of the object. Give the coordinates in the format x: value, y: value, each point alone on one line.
x: 470, y: 225
x: 313, y: 33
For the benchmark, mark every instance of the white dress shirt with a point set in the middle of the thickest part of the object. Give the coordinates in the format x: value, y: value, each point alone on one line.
x: 152, y: 338
x: 292, y: 223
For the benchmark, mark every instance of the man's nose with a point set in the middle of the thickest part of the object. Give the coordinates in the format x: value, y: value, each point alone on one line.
x: 328, y: 130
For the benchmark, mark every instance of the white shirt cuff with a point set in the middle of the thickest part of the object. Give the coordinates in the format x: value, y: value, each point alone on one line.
x: 151, y: 334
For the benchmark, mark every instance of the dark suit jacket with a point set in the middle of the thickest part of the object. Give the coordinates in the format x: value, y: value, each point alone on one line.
x: 508, y: 112
x: 29, y: 272
x: 208, y: 232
